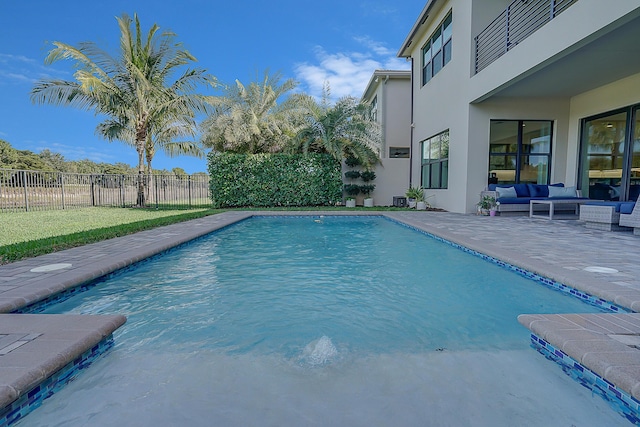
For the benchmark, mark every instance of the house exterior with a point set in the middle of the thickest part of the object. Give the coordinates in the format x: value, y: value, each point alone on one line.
x: 524, y: 91
x: 389, y: 93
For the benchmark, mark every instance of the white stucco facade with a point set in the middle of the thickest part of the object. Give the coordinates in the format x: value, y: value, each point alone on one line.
x: 581, y: 63
x: 390, y: 91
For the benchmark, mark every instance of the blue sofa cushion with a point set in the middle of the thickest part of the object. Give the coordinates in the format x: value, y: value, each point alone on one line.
x: 538, y: 190
x: 506, y: 192
x: 567, y: 192
x: 627, y: 207
x: 616, y: 205
x: 513, y: 200
x: 521, y: 189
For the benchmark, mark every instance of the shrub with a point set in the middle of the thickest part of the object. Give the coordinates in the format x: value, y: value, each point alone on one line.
x: 352, y: 189
x: 367, y: 189
x: 352, y: 162
x: 270, y: 180
x: 368, y: 176
x: 352, y: 174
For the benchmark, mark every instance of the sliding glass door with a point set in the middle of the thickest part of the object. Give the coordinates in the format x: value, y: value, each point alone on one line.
x: 610, y: 156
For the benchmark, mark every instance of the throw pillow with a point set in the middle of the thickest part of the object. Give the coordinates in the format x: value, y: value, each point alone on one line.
x: 562, y: 192
x: 506, y: 192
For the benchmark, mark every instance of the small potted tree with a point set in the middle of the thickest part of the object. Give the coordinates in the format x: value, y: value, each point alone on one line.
x: 352, y: 191
x: 366, y: 189
x: 414, y: 195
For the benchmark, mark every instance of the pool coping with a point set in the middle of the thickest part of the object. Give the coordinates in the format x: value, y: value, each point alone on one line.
x: 27, y: 282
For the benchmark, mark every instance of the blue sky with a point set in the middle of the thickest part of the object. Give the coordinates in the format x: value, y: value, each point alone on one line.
x: 341, y: 42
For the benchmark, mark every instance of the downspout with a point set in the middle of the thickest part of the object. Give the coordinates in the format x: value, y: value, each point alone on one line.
x: 385, y: 148
x: 411, y: 134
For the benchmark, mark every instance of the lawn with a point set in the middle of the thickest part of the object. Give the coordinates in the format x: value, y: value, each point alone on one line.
x: 27, y: 234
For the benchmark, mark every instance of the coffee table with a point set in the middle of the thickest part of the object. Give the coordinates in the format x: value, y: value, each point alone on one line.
x: 552, y: 203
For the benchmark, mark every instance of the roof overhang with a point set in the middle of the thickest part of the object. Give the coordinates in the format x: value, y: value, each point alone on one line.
x: 379, y: 76
x: 608, y: 56
x: 404, y: 51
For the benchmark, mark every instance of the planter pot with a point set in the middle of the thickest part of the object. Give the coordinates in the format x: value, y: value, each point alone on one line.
x: 492, y: 212
x: 412, y: 203
x: 421, y: 206
x: 351, y: 203
x: 368, y: 202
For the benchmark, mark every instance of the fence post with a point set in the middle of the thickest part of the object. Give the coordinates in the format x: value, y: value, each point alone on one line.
x: 189, y: 191
x: 62, y: 188
x: 122, y: 189
x: 93, y: 195
x: 156, y: 190
x: 24, y: 186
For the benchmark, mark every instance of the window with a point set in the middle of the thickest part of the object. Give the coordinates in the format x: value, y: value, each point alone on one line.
x: 399, y: 152
x: 520, y: 151
x: 435, y: 161
x: 374, y: 109
x: 437, y: 52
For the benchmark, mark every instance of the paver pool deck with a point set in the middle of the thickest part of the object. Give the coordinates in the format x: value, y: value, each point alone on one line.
x: 603, y: 264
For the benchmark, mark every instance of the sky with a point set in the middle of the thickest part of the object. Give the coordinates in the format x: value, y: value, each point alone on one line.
x: 335, y: 41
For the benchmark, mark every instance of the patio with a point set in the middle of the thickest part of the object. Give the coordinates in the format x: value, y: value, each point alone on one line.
x: 597, y: 262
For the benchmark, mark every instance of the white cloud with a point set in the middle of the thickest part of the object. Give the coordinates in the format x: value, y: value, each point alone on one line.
x: 347, y: 73
x: 21, y: 69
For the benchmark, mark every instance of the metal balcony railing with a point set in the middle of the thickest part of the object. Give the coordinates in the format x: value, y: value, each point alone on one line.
x: 517, y: 22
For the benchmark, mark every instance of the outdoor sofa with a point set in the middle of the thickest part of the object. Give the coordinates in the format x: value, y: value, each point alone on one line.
x: 517, y: 197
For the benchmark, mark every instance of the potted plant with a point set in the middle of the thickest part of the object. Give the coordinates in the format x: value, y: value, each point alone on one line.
x: 366, y: 190
x: 414, y: 195
x: 352, y: 191
x: 487, y: 204
x: 367, y: 176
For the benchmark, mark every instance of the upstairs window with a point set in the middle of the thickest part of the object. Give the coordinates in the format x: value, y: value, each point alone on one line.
x: 437, y: 52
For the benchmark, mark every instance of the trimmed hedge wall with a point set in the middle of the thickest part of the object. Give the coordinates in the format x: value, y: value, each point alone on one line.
x: 269, y: 180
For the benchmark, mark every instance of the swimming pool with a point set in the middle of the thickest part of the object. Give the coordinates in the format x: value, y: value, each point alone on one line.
x: 322, y: 321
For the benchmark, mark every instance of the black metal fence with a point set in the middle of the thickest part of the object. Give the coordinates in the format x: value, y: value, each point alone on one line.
x: 517, y: 22
x: 22, y: 190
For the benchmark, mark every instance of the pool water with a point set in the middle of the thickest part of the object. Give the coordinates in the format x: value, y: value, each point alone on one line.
x: 322, y: 321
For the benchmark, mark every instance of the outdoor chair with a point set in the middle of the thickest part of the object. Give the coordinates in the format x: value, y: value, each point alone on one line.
x: 632, y: 219
x: 604, y: 216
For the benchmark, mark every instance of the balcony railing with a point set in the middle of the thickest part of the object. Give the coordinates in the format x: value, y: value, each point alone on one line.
x: 517, y: 22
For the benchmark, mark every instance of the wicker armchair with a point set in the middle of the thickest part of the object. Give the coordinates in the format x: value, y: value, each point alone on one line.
x: 632, y: 219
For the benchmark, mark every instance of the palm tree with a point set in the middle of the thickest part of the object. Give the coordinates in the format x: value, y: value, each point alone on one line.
x: 134, y: 91
x: 248, y: 119
x: 343, y: 130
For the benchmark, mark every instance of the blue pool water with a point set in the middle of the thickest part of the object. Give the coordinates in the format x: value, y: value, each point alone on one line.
x: 322, y: 321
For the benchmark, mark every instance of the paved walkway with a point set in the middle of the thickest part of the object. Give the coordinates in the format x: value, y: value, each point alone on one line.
x: 604, y: 264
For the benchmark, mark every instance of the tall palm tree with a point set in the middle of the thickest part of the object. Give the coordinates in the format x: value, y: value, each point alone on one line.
x: 134, y: 91
x: 248, y: 119
x: 345, y: 129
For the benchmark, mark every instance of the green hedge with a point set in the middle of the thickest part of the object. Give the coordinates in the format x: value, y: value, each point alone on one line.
x: 269, y: 180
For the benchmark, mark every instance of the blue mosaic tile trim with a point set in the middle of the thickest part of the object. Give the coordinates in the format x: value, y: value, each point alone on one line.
x: 31, y: 400
x: 619, y: 399
x: 589, y: 299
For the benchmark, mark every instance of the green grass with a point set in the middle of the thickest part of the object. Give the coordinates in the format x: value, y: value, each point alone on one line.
x: 29, y: 234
